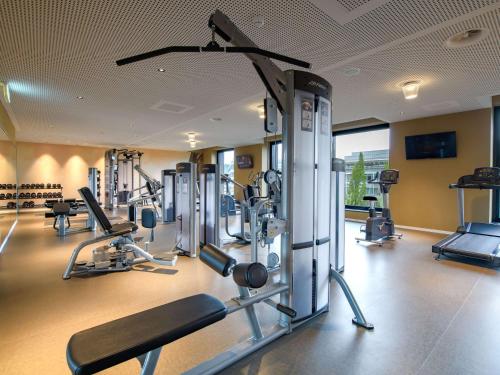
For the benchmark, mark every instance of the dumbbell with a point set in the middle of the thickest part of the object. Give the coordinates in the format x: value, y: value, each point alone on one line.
x: 50, y: 195
x: 49, y: 186
x: 14, y: 186
x: 11, y: 205
x: 44, y: 195
x: 58, y: 186
x: 25, y: 205
x: 2, y: 197
x: 3, y: 186
x: 8, y: 196
x: 14, y: 196
x: 32, y: 186
x: 32, y: 204
x: 9, y: 186
x: 39, y: 195
x: 33, y: 195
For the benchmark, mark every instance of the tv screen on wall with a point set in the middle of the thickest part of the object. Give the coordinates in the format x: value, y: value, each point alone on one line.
x: 431, y: 146
x: 244, y: 161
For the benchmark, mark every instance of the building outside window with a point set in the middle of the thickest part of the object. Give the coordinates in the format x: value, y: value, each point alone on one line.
x: 366, y: 153
x: 225, y: 160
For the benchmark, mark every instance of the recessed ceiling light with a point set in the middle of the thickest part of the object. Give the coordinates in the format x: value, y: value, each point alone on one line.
x: 162, y: 70
x: 51, y: 126
x: 215, y: 119
x: 466, y: 38
x: 410, y: 89
x: 79, y: 97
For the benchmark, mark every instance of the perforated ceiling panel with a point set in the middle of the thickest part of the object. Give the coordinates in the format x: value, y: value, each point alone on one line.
x: 54, y: 51
x: 352, y: 4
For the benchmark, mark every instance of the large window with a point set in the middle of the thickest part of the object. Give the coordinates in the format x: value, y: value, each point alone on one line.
x: 366, y: 152
x: 225, y: 160
x: 495, y: 212
x: 275, y: 156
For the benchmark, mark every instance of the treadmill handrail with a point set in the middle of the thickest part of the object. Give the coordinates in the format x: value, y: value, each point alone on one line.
x: 475, y: 186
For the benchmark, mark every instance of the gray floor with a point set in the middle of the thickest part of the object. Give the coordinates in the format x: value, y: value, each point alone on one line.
x: 431, y: 317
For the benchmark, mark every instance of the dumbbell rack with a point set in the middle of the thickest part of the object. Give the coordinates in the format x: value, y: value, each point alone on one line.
x: 19, y: 189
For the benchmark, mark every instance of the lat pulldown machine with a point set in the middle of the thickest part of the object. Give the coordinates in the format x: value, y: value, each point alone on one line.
x: 303, y: 285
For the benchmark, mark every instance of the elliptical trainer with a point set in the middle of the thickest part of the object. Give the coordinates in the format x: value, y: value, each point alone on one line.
x: 380, y: 228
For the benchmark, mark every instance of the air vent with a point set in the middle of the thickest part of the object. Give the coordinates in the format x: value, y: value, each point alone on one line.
x: 170, y: 107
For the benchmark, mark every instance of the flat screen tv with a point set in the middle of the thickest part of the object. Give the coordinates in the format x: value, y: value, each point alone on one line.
x: 431, y: 146
x: 244, y: 161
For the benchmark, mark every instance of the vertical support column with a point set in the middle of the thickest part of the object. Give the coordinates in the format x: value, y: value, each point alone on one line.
x: 460, y: 206
x: 251, y: 315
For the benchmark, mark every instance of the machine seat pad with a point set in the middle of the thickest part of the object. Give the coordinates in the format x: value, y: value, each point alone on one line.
x: 369, y: 198
x: 109, y: 344
x: 127, y: 226
x: 52, y: 214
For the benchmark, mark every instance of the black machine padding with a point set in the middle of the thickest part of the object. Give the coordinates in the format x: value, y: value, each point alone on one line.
x: 109, y: 344
x: 250, y: 275
x: 217, y: 260
x: 93, y: 206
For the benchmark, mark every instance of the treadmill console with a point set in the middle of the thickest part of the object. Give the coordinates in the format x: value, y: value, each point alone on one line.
x: 487, y: 175
x: 389, y: 176
x: 483, y: 178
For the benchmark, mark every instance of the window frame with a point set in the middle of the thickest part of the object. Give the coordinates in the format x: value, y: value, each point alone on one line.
x: 358, y: 130
x: 273, y: 152
x: 495, y: 201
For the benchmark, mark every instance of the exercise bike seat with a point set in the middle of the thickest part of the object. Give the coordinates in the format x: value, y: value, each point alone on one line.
x: 109, y: 344
x: 370, y: 198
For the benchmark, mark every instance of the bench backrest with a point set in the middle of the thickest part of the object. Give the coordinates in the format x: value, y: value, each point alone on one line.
x: 95, y: 209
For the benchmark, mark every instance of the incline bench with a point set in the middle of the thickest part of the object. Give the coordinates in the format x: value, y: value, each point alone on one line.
x: 120, y: 260
x: 110, y: 231
x: 141, y: 335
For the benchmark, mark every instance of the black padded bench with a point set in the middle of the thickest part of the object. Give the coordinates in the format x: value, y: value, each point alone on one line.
x: 140, y: 334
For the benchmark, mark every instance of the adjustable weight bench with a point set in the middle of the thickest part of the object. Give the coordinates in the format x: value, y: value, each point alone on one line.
x: 141, y: 335
x: 123, y: 242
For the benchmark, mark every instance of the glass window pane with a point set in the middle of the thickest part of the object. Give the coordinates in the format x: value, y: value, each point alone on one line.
x: 365, y: 154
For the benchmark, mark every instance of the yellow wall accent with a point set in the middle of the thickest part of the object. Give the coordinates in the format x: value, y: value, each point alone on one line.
x: 68, y: 165
x: 6, y: 124
x: 243, y: 175
x: 422, y: 197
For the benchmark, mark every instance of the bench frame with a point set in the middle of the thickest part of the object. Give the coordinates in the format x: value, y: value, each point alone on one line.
x: 124, y: 243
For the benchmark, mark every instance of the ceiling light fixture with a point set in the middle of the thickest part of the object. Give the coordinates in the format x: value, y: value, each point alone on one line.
x: 191, y: 136
x: 466, y: 38
x: 410, y: 89
x: 162, y: 70
x: 192, y: 144
x: 215, y: 119
x: 79, y: 97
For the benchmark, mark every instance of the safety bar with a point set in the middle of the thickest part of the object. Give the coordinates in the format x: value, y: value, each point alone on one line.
x: 163, y: 262
x: 239, y: 303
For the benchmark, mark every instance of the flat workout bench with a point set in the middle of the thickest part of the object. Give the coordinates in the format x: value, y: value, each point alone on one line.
x: 141, y: 335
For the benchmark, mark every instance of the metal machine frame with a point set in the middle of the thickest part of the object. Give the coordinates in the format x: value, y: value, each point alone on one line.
x: 168, y: 195
x: 185, y: 204
x: 303, y: 285
x: 119, y: 165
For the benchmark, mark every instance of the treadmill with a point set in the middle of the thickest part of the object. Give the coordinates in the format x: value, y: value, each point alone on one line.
x: 478, y: 241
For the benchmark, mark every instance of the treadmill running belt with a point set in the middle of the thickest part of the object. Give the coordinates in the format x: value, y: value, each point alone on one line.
x: 474, y: 244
